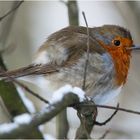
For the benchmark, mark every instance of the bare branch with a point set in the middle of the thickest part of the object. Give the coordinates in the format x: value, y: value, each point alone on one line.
x: 41, y: 117
x: 109, y: 119
x: 87, y: 58
x: 30, y: 91
x: 114, y: 108
x: 11, y: 11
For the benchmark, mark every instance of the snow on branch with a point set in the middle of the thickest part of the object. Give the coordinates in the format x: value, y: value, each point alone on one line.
x: 59, y: 94
x: 23, y: 124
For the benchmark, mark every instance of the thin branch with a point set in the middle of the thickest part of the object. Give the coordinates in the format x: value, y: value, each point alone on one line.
x: 109, y: 119
x: 11, y: 11
x: 26, y: 88
x: 87, y: 58
x: 114, y: 108
x: 87, y: 116
x: 30, y: 91
x: 41, y: 117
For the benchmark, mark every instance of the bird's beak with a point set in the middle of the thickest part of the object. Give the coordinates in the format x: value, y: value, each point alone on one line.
x: 134, y: 47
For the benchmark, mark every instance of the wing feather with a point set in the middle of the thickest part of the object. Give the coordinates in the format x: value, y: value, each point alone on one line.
x: 30, y: 70
x: 73, y: 38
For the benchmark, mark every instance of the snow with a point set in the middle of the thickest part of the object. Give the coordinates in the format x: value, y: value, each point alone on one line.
x: 26, y: 118
x: 7, y: 127
x: 23, y: 119
x: 41, y: 128
x: 79, y: 92
x: 59, y: 94
x: 48, y: 137
x: 28, y: 103
x: 45, y: 136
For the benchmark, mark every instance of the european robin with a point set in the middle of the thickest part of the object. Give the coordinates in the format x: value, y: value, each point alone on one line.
x: 61, y: 60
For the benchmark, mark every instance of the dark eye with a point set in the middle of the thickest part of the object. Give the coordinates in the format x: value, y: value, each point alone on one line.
x: 117, y: 42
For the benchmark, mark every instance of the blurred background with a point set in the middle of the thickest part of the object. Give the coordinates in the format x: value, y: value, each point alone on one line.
x: 34, y: 21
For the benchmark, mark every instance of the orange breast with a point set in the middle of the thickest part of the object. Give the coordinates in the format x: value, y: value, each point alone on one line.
x: 121, y: 58
x: 121, y: 62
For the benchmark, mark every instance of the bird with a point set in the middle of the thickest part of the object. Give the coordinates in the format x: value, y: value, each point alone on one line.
x: 61, y: 60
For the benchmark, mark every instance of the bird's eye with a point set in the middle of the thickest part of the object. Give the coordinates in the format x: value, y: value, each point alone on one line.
x: 117, y: 42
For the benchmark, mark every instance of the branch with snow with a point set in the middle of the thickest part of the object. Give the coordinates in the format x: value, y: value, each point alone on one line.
x: 23, y: 124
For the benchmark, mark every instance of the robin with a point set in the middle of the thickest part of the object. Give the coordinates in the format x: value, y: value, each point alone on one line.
x: 61, y: 60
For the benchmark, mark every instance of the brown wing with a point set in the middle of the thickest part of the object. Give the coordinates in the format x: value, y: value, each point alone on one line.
x: 76, y: 37
x: 73, y: 38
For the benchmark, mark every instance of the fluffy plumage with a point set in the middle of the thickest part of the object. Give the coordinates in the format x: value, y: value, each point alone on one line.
x: 61, y: 59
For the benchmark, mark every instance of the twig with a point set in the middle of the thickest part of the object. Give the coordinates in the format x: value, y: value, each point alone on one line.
x: 87, y: 116
x: 26, y: 88
x: 114, y: 108
x: 41, y: 117
x: 11, y: 11
x: 109, y: 119
x: 30, y: 91
x: 87, y: 58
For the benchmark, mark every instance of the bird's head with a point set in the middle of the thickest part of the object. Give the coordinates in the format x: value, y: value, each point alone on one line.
x: 117, y: 41
x: 113, y: 37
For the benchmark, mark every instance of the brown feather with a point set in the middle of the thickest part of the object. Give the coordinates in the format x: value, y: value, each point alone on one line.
x: 73, y: 38
x: 30, y: 70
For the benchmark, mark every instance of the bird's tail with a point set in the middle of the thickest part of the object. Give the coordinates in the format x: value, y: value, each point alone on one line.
x: 29, y: 70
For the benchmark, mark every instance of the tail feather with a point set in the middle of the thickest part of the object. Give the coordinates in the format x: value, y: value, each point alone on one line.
x: 30, y: 70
